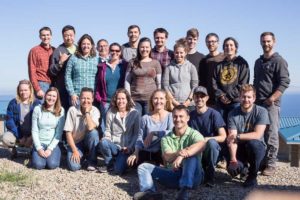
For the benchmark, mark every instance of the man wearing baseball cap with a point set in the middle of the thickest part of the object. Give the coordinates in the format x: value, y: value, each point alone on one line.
x: 210, y: 124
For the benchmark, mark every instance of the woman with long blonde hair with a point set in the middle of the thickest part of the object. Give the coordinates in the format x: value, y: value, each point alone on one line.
x: 154, y: 126
x: 19, y: 113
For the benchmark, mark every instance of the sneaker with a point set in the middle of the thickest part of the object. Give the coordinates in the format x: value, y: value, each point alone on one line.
x: 105, y: 169
x: 209, y: 183
x: 222, y: 164
x: 269, y: 171
x: 91, y: 168
x: 148, y: 195
x: 235, y: 168
x: 244, y: 173
x: 250, y: 182
x: 102, y: 169
x: 183, y: 194
x: 13, y: 152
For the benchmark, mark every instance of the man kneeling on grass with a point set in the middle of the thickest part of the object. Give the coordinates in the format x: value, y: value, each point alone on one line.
x: 181, y: 150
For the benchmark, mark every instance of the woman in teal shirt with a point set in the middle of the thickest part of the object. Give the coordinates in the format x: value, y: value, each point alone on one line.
x: 47, y: 127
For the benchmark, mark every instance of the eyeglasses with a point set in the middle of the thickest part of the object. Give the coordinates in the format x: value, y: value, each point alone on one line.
x: 115, y: 50
x: 212, y: 41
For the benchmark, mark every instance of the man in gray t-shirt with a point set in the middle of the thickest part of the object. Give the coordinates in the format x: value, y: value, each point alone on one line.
x: 246, y: 126
x: 129, y: 49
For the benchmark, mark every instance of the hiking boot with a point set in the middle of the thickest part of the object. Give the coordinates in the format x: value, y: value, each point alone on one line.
x: 148, y: 195
x: 250, y: 182
x: 269, y: 171
x: 183, y: 194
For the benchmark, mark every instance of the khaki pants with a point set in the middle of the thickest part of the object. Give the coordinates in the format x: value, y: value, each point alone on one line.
x: 9, y: 139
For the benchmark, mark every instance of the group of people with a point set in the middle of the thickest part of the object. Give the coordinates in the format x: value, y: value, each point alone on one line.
x: 172, y: 114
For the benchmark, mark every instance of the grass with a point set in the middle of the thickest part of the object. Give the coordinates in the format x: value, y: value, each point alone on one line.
x: 13, y: 177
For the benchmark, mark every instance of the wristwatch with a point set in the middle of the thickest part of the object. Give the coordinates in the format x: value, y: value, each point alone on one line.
x: 238, y: 137
x: 190, y: 99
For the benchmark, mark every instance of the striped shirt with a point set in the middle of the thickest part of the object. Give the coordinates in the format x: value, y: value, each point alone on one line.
x: 38, y: 65
x: 80, y: 72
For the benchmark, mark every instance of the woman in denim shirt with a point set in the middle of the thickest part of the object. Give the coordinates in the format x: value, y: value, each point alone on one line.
x: 153, y: 127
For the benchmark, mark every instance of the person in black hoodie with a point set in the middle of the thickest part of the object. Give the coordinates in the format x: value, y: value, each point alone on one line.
x: 228, y: 77
x: 271, y: 79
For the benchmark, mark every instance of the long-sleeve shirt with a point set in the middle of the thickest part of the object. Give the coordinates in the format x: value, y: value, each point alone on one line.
x: 47, y: 128
x: 164, y: 57
x: 80, y: 72
x: 270, y: 75
x: 38, y: 65
x: 160, y: 128
x: 229, y: 76
x: 14, y: 115
x: 123, y: 132
x: 142, y: 81
x: 111, y: 83
x: 180, y: 80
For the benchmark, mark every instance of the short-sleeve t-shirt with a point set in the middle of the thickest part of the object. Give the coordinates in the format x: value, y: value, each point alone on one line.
x: 245, y: 122
x: 76, y: 122
x: 173, y: 143
x: 206, y: 123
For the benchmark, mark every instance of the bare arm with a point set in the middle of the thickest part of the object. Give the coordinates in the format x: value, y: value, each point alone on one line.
x: 255, y: 135
x: 90, y: 124
x: 221, y: 135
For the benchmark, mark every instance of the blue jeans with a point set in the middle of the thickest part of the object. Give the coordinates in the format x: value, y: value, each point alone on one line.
x: 252, y: 152
x: 141, y: 107
x: 110, y: 150
x: 271, y: 135
x: 210, y: 157
x: 89, y: 143
x: 103, y: 107
x: 44, y: 86
x: 51, y: 162
x: 224, y: 109
x: 190, y: 175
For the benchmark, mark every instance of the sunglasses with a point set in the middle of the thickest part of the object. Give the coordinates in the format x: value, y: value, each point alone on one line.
x: 115, y: 50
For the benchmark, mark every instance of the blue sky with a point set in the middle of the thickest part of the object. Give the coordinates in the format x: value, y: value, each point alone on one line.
x: 244, y: 20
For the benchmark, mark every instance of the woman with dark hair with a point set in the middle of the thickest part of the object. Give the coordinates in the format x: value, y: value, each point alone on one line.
x: 122, y: 128
x: 228, y: 77
x: 110, y: 77
x: 81, y: 68
x: 143, y: 75
x: 180, y: 77
x: 154, y: 126
x: 47, y: 128
x: 19, y: 113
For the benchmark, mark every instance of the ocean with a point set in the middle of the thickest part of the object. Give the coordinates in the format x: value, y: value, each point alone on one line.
x: 290, y: 106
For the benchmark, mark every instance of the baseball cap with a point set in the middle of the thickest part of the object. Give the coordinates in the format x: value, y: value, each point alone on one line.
x: 200, y: 89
